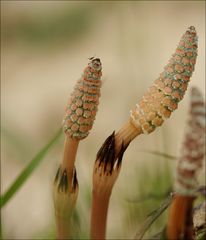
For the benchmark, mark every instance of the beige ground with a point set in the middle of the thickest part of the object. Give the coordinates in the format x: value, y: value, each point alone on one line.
x: 134, y: 41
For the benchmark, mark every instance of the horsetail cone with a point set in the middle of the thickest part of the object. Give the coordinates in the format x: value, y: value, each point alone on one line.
x: 83, y: 104
x: 169, y: 88
x: 193, y: 150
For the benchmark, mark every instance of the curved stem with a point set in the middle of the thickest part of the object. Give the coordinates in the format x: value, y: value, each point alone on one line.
x: 104, y: 176
x: 126, y: 134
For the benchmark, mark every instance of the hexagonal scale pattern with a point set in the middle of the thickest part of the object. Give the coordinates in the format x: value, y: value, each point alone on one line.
x: 169, y: 88
x: 83, y: 104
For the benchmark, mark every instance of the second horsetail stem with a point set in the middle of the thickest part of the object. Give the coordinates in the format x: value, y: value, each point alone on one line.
x: 156, y: 105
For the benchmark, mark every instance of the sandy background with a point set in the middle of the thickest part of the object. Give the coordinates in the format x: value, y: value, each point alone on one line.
x: 134, y: 40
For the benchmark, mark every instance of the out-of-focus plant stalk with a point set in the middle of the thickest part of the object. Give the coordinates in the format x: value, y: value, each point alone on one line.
x: 180, y: 218
x: 79, y: 117
x: 180, y: 222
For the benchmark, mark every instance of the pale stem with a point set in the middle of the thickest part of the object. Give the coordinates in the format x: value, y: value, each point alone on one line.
x: 126, y: 134
x: 63, y: 228
x: 70, y: 150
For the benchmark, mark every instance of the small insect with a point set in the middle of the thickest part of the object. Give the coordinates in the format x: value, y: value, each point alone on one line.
x: 83, y: 103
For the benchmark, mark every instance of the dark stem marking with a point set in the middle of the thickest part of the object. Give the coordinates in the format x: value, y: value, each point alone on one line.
x: 61, y: 179
x: 107, y: 156
x: 74, y: 181
x: 63, y: 183
x: 57, y: 175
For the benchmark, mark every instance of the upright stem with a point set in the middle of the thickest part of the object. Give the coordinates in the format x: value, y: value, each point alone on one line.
x: 62, y: 228
x: 70, y: 150
x: 65, y: 189
x: 99, y: 215
x: 180, y: 218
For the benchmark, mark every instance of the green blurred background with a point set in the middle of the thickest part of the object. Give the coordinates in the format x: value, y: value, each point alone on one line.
x: 45, y: 46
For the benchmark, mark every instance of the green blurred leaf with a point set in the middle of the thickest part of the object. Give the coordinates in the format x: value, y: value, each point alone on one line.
x: 161, y: 154
x: 150, y: 196
x: 160, y: 235
x: 202, y: 236
x: 151, y: 184
x: 151, y: 218
x: 65, y: 26
x: 28, y: 170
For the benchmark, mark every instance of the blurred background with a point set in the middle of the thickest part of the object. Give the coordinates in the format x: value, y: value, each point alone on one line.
x: 45, y: 46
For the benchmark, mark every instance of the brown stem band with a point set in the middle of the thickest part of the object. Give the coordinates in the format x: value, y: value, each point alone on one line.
x: 99, y: 216
x: 180, y: 218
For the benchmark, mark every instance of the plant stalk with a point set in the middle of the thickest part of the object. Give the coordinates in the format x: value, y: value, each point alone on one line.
x: 99, y: 215
x: 125, y: 135
x: 69, y: 156
x: 63, y: 230
x: 180, y: 221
